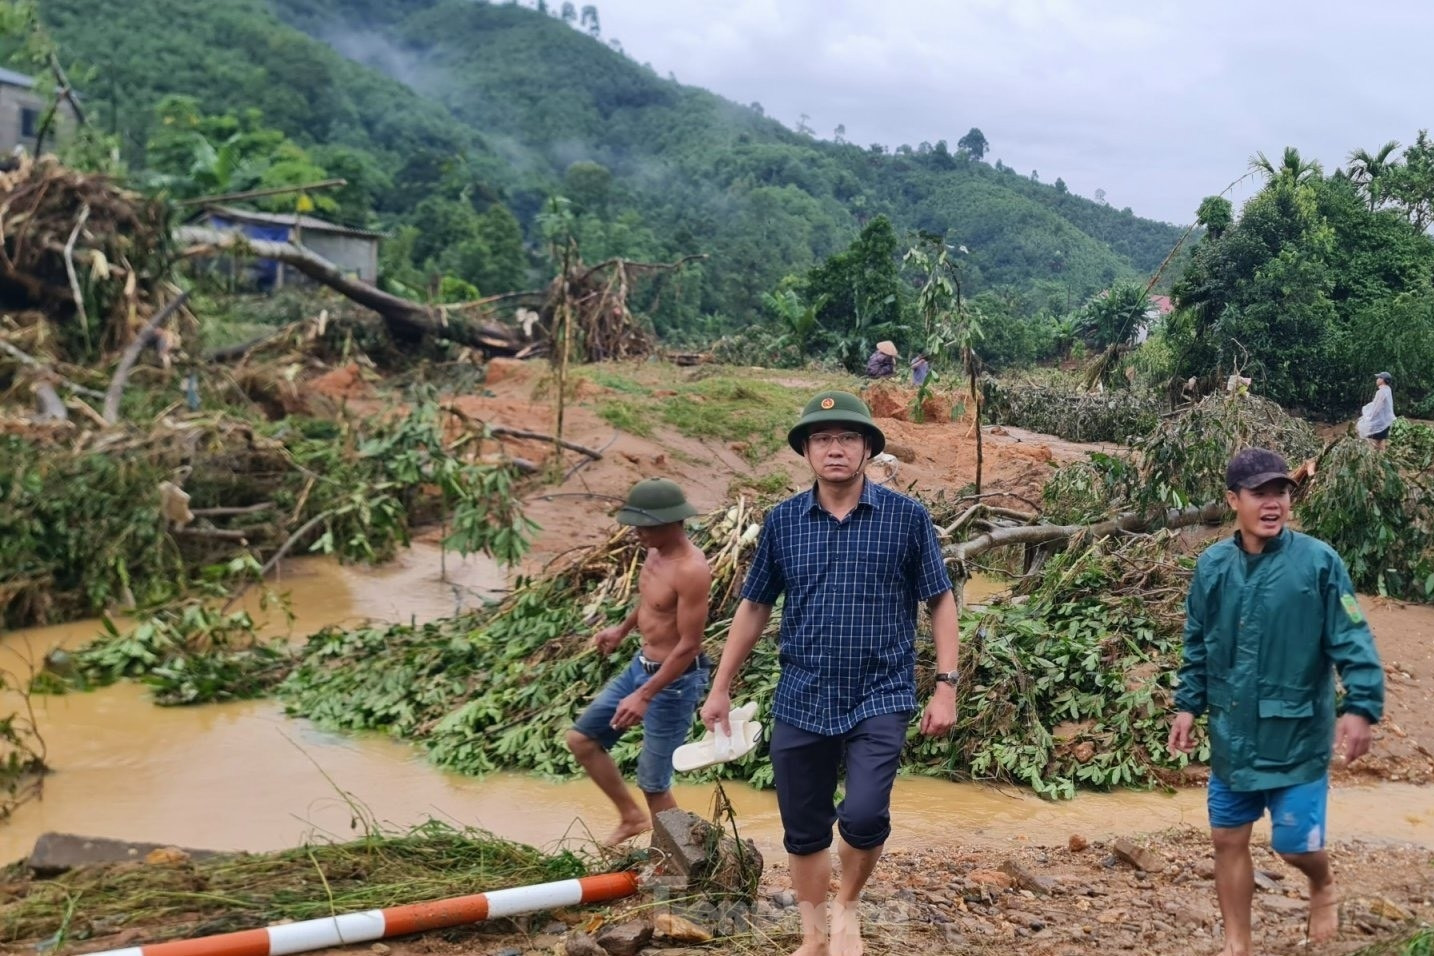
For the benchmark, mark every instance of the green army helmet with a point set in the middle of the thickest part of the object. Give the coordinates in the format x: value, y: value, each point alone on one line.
x: 653, y: 502
x: 835, y: 408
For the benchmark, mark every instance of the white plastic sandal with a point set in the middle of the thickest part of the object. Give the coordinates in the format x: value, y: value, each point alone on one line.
x: 716, y: 747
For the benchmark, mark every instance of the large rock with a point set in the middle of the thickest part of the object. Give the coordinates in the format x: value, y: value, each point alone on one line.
x: 581, y: 944
x: 625, y: 939
x: 707, y: 859
x: 57, y: 852
x: 679, y: 929
x: 1142, y: 858
x: 1028, y: 879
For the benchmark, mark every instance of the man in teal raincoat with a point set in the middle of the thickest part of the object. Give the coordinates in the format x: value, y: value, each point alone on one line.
x: 1270, y: 618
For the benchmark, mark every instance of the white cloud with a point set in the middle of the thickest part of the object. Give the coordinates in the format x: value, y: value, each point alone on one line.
x: 1158, y: 102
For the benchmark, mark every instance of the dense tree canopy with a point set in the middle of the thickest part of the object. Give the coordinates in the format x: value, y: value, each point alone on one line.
x: 1310, y: 291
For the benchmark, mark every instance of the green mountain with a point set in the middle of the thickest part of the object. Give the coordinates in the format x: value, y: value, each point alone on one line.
x: 506, y: 105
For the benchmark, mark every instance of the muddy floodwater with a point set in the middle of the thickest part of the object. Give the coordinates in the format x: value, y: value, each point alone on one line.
x: 244, y: 776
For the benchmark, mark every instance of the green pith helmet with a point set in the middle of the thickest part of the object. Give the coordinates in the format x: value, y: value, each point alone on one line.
x: 654, y: 502
x: 839, y: 408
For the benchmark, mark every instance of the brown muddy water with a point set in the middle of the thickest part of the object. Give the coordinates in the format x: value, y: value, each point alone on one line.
x: 243, y: 776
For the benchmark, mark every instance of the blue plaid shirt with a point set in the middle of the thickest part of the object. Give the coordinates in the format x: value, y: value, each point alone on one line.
x: 848, y: 634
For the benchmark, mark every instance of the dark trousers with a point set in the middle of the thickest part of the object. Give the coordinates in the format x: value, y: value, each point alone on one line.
x: 806, y: 767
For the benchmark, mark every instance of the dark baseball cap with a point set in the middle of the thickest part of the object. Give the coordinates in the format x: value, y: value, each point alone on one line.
x: 1253, y: 467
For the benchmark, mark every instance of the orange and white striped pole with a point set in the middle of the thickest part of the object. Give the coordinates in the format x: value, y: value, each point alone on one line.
x: 395, y: 920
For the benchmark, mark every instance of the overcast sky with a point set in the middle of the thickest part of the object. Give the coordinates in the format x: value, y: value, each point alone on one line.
x: 1157, y: 102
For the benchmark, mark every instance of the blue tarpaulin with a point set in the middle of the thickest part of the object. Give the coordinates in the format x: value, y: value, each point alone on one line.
x: 265, y: 272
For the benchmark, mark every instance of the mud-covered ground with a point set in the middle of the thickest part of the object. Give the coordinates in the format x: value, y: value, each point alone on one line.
x: 1075, y: 898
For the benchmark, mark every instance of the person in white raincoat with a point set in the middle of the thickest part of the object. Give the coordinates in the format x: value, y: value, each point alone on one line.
x: 1377, y: 417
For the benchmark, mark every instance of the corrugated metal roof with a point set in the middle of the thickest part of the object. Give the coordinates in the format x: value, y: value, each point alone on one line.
x: 11, y: 78
x: 291, y: 219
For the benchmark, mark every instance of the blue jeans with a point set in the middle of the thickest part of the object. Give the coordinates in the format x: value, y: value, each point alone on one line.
x: 664, y: 728
x: 1297, y: 814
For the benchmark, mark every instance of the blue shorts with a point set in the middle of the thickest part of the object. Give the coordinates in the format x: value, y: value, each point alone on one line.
x: 665, y: 727
x: 1297, y: 814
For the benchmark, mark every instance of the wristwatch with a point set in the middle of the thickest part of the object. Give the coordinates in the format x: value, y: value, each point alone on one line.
x: 946, y: 677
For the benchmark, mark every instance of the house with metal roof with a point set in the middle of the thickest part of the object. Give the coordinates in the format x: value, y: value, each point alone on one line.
x: 353, y: 251
x: 22, y: 111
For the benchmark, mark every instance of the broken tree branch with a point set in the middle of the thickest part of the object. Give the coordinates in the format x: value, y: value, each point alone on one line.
x: 273, y: 562
x: 216, y: 534
x: 592, y: 453
x: 643, y: 266
x: 230, y: 512
x: 32, y: 362
x: 64, y: 91
x: 261, y: 193
x: 70, y: 270
x: 131, y: 355
x: 958, y: 554
x: 400, y: 314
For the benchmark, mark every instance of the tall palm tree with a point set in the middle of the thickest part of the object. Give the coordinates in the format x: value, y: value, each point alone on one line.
x: 1365, y: 170
x: 1292, y: 169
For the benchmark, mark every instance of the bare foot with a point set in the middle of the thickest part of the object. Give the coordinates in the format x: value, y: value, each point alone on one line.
x: 811, y: 947
x: 627, y: 829
x: 846, y: 930
x: 1324, y: 914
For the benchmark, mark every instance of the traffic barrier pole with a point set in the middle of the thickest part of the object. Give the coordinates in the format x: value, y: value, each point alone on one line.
x: 395, y: 920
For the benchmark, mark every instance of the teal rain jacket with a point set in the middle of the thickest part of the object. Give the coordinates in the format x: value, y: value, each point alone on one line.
x: 1264, y: 635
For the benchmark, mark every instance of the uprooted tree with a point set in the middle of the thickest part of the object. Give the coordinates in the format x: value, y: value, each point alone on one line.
x: 83, y: 263
x: 88, y: 268
x: 584, y: 306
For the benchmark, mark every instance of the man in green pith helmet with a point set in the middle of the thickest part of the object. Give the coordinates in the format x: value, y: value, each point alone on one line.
x: 663, y: 685
x: 853, y: 559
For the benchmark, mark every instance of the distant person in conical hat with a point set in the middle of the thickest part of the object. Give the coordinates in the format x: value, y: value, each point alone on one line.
x: 855, y: 560
x: 882, y: 363
x: 663, y: 685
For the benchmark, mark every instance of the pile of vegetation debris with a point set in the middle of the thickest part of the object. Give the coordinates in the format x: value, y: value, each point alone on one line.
x: 1067, y: 411
x: 84, y: 262
x: 139, y: 518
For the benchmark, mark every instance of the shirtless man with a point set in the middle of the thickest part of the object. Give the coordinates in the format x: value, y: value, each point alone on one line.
x: 664, y: 684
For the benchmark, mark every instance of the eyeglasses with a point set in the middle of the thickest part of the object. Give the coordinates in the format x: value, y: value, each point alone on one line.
x: 821, y: 441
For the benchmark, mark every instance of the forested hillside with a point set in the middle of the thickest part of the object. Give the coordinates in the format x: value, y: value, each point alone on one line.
x: 453, y: 113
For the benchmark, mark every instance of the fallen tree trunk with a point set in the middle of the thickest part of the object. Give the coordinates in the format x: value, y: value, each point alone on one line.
x: 1047, y: 535
x: 959, y: 554
x: 402, y: 316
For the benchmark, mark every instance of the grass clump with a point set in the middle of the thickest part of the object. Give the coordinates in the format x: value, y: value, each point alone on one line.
x: 625, y: 416
x: 227, y: 893
x: 734, y: 409
x: 1418, y: 943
